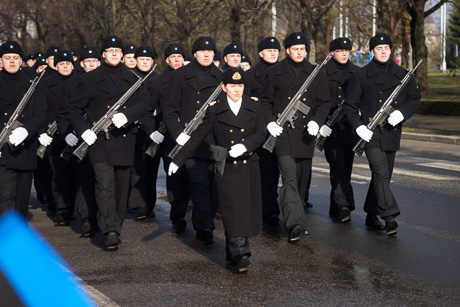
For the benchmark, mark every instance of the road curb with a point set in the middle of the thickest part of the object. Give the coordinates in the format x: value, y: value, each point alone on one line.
x: 436, y: 138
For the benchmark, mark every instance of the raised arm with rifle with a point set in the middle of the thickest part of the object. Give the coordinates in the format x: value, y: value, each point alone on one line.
x: 196, y: 120
x: 13, y: 122
x: 385, y: 111
x: 105, y: 122
x: 153, y: 148
x: 294, y: 105
x: 52, y: 129
x: 335, y: 118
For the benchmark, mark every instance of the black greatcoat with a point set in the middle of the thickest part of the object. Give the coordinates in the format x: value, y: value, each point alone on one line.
x: 255, y: 80
x: 94, y: 95
x: 367, y: 94
x: 280, y: 86
x: 186, y: 94
x: 238, y: 189
x: 32, y: 118
x: 338, y: 84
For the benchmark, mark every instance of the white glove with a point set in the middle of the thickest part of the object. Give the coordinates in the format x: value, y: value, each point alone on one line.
x: 237, y: 150
x: 325, y: 131
x: 182, y: 139
x: 364, y: 133
x: 45, y: 139
x: 274, y: 129
x: 157, y: 137
x: 312, y: 128
x: 395, y: 118
x: 71, y: 139
x: 119, y: 119
x: 18, y: 136
x: 89, y: 137
x: 172, y: 168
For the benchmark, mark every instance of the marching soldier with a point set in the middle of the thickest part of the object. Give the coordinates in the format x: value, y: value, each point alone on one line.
x: 232, y: 56
x: 49, y: 56
x: 61, y: 180
x: 245, y: 62
x: 296, y: 140
x: 177, y: 184
x: 16, y: 165
x: 129, y: 58
x: 217, y: 58
x: 188, y: 89
x: 96, y: 92
x: 238, y: 126
x: 340, y: 138
x: 268, y: 49
x: 85, y: 202
x: 369, y: 88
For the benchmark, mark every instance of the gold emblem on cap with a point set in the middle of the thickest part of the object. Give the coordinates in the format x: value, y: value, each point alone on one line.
x: 236, y: 76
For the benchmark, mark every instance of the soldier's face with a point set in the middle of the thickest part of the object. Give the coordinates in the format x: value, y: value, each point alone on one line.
x: 204, y: 57
x: 245, y: 65
x: 234, y: 91
x: 381, y: 53
x: 130, y: 60
x: 11, y: 62
x: 297, y: 52
x: 175, y: 61
x: 144, y: 63
x: 30, y: 63
x: 341, y: 55
x: 233, y: 59
x: 50, y: 62
x: 64, y: 68
x: 270, y: 55
x: 90, y: 64
x: 112, y: 56
x: 41, y: 68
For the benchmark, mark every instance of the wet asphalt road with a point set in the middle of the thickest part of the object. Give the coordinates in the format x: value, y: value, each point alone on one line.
x: 337, y: 265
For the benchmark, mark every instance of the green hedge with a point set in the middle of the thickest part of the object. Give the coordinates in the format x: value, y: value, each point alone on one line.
x: 439, y: 107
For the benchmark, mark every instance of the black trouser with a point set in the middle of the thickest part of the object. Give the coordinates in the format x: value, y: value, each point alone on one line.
x: 236, y: 247
x: 85, y: 198
x: 380, y: 199
x: 138, y: 183
x: 290, y: 201
x: 269, y: 175
x: 201, y: 177
x: 63, y: 184
x: 112, y: 188
x: 303, y: 174
x: 42, y: 179
x: 15, y: 186
x: 340, y: 158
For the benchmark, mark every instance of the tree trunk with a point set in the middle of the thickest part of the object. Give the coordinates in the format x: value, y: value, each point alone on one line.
x: 235, y: 23
x: 405, y: 38
x: 419, y: 49
x: 383, y: 17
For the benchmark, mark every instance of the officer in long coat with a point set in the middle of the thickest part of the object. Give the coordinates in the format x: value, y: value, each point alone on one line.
x: 16, y: 165
x: 268, y: 49
x: 369, y: 88
x: 96, y: 93
x: 176, y: 185
x: 237, y: 125
x: 190, y: 87
x: 340, y: 138
x: 296, y: 144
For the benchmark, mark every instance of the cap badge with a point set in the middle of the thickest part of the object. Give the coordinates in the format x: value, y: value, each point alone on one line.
x: 298, y: 36
x: 11, y: 46
x: 175, y: 48
x: 234, y: 46
x: 65, y: 54
x: 272, y: 40
x: 90, y: 51
x: 381, y: 38
x: 113, y: 39
x: 144, y: 51
x: 236, y: 76
x: 207, y: 43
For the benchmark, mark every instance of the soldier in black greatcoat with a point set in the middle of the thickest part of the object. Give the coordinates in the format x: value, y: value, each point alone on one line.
x: 340, y: 138
x: 295, y: 145
x: 237, y: 125
x: 176, y: 185
x: 16, y: 165
x: 190, y: 87
x: 62, y: 181
x: 232, y: 55
x: 96, y: 92
x: 268, y: 49
x: 369, y: 88
x: 85, y: 201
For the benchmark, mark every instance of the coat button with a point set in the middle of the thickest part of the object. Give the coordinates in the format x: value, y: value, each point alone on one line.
x: 305, y: 99
x: 289, y: 125
x: 198, y: 93
x: 6, y: 114
x: 244, y: 161
x: 380, y: 100
x: 22, y: 115
x: 234, y: 162
x: 108, y: 107
x: 340, y: 87
x: 242, y: 130
x: 305, y: 126
x: 380, y: 92
x: 4, y: 124
x: 124, y: 135
x: 242, y: 140
x: 231, y: 131
x: 198, y: 102
x: 340, y: 96
x: 289, y: 97
x: 396, y: 102
x: 232, y: 142
x: 303, y: 116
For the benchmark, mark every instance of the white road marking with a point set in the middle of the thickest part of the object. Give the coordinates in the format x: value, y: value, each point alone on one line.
x: 354, y: 176
x: 441, y: 165
x: 413, y: 173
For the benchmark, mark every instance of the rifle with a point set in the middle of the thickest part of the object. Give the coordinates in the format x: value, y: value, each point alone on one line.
x: 105, y: 122
x: 153, y: 148
x: 13, y: 123
x: 385, y: 111
x: 52, y: 128
x: 294, y: 105
x: 335, y: 118
x: 196, y: 120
